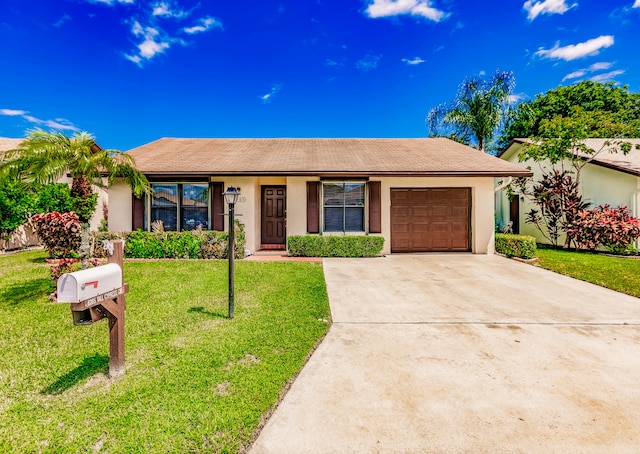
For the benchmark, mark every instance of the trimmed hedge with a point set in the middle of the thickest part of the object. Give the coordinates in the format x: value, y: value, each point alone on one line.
x: 193, y: 244
x: 334, y: 246
x: 522, y: 246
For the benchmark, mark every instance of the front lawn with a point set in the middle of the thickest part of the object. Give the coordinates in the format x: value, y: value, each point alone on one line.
x: 195, y: 381
x: 617, y: 273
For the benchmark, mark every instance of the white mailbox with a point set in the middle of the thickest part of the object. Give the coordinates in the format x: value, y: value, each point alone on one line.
x: 86, y: 284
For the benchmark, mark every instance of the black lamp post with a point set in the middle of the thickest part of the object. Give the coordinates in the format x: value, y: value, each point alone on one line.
x: 231, y: 197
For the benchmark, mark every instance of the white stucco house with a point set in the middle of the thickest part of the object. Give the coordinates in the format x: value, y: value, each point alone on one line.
x: 610, y: 178
x: 25, y: 236
x: 419, y: 194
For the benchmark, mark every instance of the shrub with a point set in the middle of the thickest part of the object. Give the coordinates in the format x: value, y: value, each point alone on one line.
x: 335, y: 246
x: 53, y: 197
x: 522, y: 246
x: 15, y: 207
x: 192, y: 244
x: 60, y: 233
x: 613, y: 228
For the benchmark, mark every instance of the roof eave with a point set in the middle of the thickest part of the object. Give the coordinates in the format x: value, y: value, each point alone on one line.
x: 338, y: 173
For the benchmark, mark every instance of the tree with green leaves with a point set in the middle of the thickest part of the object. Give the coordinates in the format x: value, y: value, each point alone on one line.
x: 476, y: 113
x: 558, y: 125
x: 597, y: 105
x: 43, y: 157
x: 16, y: 204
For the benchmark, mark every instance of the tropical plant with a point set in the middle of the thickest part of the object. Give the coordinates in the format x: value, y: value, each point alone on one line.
x: 477, y: 111
x: 558, y: 200
x: 43, y: 157
x: 60, y: 233
x: 613, y: 228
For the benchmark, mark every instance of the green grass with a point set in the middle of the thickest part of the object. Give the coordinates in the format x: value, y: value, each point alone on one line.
x: 617, y: 273
x: 195, y: 381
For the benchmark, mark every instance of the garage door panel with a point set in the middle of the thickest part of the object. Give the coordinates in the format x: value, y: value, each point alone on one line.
x: 441, y: 210
x: 401, y: 228
x: 417, y: 211
x: 430, y: 219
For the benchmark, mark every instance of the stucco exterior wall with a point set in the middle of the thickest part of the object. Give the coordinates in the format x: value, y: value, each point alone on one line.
x: 482, y: 206
x: 297, y: 205
x: 248, y: 208
x: 120, y: 209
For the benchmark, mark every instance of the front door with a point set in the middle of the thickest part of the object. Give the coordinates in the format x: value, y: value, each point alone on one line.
x: 274, y: 203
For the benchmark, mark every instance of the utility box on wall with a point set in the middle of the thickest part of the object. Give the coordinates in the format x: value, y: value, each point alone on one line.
x: 86, y: 284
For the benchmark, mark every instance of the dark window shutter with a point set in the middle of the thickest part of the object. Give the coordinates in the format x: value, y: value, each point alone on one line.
x: 313, y: 206
x: 137, y: 213
x: 217, y: 206
x: 375, y: 209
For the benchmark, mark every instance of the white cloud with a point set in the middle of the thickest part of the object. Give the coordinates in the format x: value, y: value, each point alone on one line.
x: 267, y: 98
x: 636, y: 4
x: 386, y: 8
x: 607, y: 77
x: 575, y: 51
x: 413, y: 61
x: 12, y: 112
x: 166, y: 9
x: 112, y: 2
x: 601, y: 66
x: 62, y: 20
x: 58, y: 123
x: 156, y: 25
x: 574, y: 75
x: 535, y: 8
x: 516, y: 98
x: 368, y: 63
x: 206, y: 23
x: 152, y: 43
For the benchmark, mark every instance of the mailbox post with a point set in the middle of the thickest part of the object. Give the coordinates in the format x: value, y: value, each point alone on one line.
x: 97, y: 293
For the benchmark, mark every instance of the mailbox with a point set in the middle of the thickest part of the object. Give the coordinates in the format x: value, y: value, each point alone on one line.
x: 87, y: 316
x: 87, y: 284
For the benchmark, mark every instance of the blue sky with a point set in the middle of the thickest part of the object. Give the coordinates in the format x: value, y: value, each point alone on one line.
x: 132, y: 71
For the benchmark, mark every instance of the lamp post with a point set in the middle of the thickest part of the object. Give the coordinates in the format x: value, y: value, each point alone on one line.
x: 231, y: 197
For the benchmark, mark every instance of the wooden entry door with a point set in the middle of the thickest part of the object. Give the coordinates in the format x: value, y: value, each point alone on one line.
x: 274, y: 203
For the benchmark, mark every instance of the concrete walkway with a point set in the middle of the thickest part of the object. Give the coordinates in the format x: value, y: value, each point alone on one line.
x: 464, y: 353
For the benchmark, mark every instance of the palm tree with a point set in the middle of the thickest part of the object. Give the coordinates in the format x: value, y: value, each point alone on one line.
x: 476, y: 112
x: 43, y: 157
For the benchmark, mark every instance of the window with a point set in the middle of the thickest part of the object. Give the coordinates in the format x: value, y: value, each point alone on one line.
x: 191, y: 200
x: 343, y: 206
x: 195, y: 206
x: 164, y: 205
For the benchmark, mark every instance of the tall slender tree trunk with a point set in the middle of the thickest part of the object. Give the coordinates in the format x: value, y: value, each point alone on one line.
x: 85, y: 245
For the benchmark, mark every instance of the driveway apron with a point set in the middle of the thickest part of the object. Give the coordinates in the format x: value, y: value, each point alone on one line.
x: 464, y: 353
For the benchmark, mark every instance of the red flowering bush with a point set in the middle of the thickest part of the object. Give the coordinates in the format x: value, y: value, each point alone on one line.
x: 60, y: 233
x: 613, y: 228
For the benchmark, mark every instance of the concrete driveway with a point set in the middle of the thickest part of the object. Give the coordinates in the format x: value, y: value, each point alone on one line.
x: 464, y: 353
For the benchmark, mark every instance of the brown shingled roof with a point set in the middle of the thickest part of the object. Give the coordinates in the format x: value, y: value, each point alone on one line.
x: 629, y: 163
x: 7, y: 144
x: 419, y: 157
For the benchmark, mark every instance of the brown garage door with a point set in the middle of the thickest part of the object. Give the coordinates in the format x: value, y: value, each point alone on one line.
x: 430, y: 219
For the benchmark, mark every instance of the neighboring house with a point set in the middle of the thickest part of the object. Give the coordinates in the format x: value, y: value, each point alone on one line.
x: 610, y: 178
x: 24, y: 236
x: 419, y: 194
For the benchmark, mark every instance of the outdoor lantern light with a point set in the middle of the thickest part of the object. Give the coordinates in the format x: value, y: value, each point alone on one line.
x: 231, y: 197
